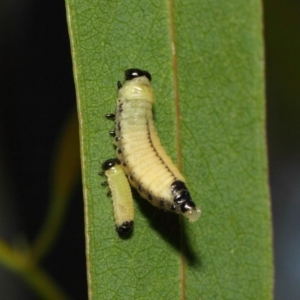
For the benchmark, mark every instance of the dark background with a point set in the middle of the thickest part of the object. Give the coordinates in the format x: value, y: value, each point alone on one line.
x: 36, y: 95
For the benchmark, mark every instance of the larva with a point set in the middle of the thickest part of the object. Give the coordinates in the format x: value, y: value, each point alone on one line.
x: 121, y: 196
x: 145, y: 162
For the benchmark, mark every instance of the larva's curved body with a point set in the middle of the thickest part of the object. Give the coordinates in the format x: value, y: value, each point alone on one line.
x: 121, y: 196
x: 145, y: 162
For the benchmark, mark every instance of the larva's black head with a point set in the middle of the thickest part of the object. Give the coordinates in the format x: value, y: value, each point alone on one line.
x: 108, y: 164
x: 125, y: 228
x: 134, y: 73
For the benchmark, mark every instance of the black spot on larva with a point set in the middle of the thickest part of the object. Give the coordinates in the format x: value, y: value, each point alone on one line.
x: 119, y: 126
x: 124, y: 165
x: 112, y: 133
x: 125, y: 228
x: 119, y: 151
x: 121, y: 108
x: 108, y: 194
x: 117, y: 138
x: 150, y: 197
x: 140, y: 188
x: 131, y: 178
x: 161, y: 203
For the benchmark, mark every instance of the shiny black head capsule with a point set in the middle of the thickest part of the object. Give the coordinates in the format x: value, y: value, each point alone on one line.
x: 134, y: 73
x: 108, y: 164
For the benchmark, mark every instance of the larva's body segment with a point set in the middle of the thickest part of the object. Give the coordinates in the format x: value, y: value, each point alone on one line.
x: 121, y: 196
x: 145, y: 162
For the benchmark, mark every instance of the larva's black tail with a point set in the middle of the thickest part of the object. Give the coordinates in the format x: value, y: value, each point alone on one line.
x: 183, y: 202
x: 182, y: 196
x: 125, y: 229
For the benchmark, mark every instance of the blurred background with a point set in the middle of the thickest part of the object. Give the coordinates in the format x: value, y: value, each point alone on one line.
x: 37, y: 94
x: 282, y: 42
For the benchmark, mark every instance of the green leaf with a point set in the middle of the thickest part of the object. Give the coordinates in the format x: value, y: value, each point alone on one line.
x: 206, y: 60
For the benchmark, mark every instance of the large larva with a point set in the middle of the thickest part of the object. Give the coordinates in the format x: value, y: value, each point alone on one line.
x: 121, y: 196
x: 143, y: 159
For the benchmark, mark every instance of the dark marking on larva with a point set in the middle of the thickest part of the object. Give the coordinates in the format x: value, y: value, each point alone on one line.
x: 177, y: 186
x: 162, y: 203
x: 124, y: 165
x: 108, y: 194
x: 182, y: 196
x: 156, y: 153
x: 150, y: 197
x: 140, y: 188
x: 121, y: 108
x: 117, y: 138
x: 119, y: 126
x: 104, y: 183
x: 131, y: 178
x: 119, y: 151
x: 112, y: 133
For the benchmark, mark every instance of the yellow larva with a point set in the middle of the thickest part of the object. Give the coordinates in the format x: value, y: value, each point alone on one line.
x: 121, y: 196
x: 144, y: 160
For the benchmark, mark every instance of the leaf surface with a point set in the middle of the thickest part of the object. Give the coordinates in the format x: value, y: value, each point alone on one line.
x: 206, y: 61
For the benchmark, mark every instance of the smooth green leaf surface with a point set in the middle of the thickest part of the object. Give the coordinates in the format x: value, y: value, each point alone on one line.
x: 206, y: 61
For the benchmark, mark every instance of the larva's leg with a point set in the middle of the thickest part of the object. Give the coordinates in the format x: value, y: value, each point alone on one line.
x: 110, y: 116
x: 119, y: 85
x: 112, y: 133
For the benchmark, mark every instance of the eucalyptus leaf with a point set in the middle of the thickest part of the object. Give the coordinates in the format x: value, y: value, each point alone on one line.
x: 206, y: 61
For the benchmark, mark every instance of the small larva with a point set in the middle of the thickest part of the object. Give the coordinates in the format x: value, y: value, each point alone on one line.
x: 121, y: 196
x: 146, y: 164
